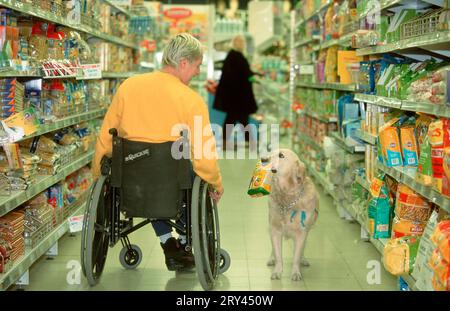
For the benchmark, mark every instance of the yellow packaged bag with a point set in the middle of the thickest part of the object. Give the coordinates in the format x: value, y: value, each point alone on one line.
x: 260, y: 182
x: 400, y: 255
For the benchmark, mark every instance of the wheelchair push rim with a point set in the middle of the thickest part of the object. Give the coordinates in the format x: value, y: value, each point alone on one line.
x: 96, y: 230
x: 205, y: 235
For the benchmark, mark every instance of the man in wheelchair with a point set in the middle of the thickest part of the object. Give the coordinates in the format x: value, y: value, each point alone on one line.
x: 147, y: 108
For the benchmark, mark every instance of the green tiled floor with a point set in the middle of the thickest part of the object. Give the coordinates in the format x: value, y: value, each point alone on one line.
x: 337, y: 255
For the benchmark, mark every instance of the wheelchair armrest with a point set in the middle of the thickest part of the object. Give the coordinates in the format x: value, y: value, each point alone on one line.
x: 105, y: 165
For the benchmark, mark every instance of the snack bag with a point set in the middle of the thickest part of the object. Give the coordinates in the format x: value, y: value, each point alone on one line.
x: 400, y: 255
x: 441, y: 238
x: 436, y: 137
x: 409, y: 146
x: 260, y: 182
x: 441, y: 268
x: 446, y: 160
x: 410, y: 205
x: 425, y: 170
x: 401, y: 228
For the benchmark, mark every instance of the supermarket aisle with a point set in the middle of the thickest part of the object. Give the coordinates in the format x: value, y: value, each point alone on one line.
x: 338, y: 258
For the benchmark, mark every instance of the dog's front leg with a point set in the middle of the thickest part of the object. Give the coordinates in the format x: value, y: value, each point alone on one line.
x: 277, y: 239
x: 299, y: 241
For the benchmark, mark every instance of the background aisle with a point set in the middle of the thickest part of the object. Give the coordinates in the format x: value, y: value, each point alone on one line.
x: 337, y: 255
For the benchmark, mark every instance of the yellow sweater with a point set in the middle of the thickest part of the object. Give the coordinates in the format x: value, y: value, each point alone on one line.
x: 146, y: 107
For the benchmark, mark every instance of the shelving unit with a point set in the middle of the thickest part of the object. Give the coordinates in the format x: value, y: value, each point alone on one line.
x: 328, y: 86
x: 389, y: 102
x: 363, y: 182
x: 39, y: 13
x: 431, y: 41
x: 407, y: 176
x: 366, y: 137
x: 344, y: 145
x: 42, y: 182
x: 9, y: 203
x: 32, y: 254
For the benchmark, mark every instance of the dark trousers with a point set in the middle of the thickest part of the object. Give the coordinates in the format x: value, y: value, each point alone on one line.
x: 235, y: 118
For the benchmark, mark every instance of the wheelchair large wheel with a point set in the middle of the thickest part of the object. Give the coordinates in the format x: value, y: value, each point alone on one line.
x: 205, y: 235
x: 95, y: 236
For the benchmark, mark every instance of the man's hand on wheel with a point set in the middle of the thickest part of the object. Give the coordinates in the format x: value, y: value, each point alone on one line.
x: 216, y: 194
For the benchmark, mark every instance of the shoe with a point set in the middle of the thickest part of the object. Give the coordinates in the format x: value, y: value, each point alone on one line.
x: 174, y: 257
x: 188, y: 257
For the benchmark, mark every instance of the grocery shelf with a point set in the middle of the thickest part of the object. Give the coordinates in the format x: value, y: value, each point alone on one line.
x: 304, y: 42
x: 437, y: 110
x: 315, y: 13
x: 321, y: 178
x: 118, y: 8
x: 328, y: 86
x: 33, y: 254
x: 43, y: 182
x: 345, y: 40
x: 120, y: 75
x: 429, y: 40
x: 326, y: 119
x: 367, y: 137
x: 62, y: 123
x: 48, y: 16
x: 384, y: 4
x: 343, y: 144
x: 409, y: 279
x: 20, y: 74
x: 406, y: 175
x: 310, y: 142
x: 363, y: 182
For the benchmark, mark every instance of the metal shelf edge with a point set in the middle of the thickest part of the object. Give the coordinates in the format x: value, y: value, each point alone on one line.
x: 22, y: 196
x: 7, y: 279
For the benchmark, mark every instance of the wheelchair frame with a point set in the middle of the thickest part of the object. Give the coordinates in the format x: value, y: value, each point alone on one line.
x: 103, y: 228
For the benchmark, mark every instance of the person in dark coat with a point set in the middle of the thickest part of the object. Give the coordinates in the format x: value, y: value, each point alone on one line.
x: 234, y: 94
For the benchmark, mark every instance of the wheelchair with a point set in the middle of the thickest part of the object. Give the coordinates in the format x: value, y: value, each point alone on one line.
x: 144, y: 180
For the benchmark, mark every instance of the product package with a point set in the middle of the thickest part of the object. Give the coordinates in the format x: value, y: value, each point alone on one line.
x: 446, y: 159
x: 409, y: 145
x: 379, y: 210
x: 390, y: 144
x: 411, y: 206
x: 260, y: 182
x: 400, y: 255
x: 436, y: 137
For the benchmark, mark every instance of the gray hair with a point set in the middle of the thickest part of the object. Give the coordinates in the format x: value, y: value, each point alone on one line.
x: 182, y: 46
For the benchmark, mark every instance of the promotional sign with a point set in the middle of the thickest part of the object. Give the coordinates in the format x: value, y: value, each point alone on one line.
x: 90, y: 71
x: 193, y: 19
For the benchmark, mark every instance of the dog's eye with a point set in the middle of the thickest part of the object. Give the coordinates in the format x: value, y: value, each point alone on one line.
x: 281, y: 155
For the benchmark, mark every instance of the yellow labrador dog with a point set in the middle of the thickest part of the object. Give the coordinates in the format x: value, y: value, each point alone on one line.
x: 293, y: 209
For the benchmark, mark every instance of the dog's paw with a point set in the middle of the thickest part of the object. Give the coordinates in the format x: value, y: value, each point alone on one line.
x: 271, y: 262
x: 297, y: 276
x: 305, y: 263
x: 276, y: 276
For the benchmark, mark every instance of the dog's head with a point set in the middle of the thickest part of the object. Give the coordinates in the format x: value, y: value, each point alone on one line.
x: 286, y: 167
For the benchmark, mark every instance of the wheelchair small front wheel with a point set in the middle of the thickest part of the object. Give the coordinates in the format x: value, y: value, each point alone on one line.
x: 225, y: 261
x: 130, y: 258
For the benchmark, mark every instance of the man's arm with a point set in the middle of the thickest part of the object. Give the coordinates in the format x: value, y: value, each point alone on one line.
x: 204, y: 160
x: 104, y: 141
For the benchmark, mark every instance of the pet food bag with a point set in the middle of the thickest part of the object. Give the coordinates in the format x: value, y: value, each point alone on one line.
x: 446, y: 160
x: 436, y: 137
x: 410, y: 205
x: 390, y: 146
x: 379, y: 210
x: 260, y: 182
x: 441, y: 239
x: 409, y: 146
x: 425, y: 169
x: 441, y: 269
x: 400, y: 255
x: 401, y: 228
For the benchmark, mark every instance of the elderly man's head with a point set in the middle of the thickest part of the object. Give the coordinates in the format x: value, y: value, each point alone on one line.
x: 183, y: 56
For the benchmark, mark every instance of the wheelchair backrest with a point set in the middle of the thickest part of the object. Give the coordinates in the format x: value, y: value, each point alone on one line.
x: 152, y: 182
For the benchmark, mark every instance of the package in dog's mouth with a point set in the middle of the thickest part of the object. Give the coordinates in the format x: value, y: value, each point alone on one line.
x: 260, y: 182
